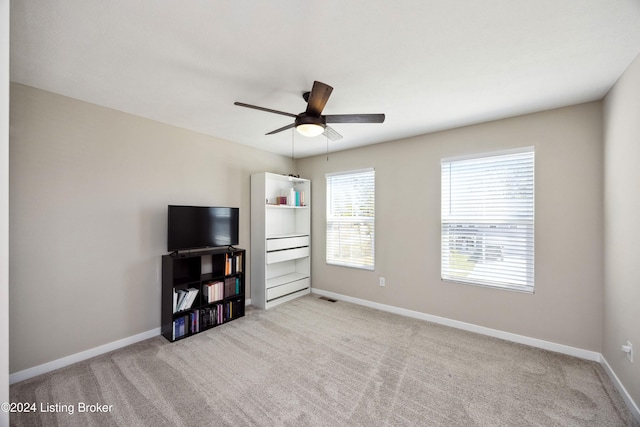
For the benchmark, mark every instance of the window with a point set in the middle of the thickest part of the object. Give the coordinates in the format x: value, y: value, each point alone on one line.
x: 487, y: 220
x: 351, y: 218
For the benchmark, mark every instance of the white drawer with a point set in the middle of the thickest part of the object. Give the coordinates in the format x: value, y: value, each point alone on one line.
x: 286, y: 255
x: 287, y: 242
x: 287, y: 288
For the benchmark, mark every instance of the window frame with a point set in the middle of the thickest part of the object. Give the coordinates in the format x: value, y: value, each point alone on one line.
x: 517, y: 226
x: 330, y: 220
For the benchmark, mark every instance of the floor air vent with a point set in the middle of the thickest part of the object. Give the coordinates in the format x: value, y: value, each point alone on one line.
x: 328, y: 299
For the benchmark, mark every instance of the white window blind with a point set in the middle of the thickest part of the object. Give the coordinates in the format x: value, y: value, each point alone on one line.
x: 488, y: 220
x: 351, y: 218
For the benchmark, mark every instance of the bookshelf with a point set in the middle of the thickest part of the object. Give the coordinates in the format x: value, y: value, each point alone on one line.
x: 201, y: 290
x: 280, y: 238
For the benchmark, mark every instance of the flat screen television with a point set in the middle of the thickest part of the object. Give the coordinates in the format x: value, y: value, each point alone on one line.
x: 194, y: 227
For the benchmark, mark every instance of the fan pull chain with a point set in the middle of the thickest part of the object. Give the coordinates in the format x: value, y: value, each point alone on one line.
x: 327, y: 135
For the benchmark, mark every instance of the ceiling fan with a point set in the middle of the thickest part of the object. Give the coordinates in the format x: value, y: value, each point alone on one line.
x: 312, y: 122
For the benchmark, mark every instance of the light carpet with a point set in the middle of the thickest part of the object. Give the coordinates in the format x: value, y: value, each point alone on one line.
x: 311, y: 362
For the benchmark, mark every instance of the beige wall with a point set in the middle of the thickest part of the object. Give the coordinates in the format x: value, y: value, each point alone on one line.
x: 567, y: 305
x: 4, y: 207
x: 89, y: 189
x: 622, y: 230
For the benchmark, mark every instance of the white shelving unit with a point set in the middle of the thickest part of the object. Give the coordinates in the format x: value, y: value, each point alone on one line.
x: 280, y: 239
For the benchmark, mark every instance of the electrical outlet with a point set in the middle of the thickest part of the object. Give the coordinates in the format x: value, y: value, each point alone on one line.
x: 628, y: 348
x: 382, y: 282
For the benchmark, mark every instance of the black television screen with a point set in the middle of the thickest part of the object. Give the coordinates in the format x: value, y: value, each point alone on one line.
x: 192, y: 227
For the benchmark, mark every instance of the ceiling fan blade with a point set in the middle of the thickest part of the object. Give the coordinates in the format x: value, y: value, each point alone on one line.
x: 318, y: 98
x: 355, y: 118
x: 281, y: 129
x: 331, y: 133
x: 268, y: 110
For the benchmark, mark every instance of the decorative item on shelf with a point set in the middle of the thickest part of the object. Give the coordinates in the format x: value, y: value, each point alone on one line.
x: 292, y: 197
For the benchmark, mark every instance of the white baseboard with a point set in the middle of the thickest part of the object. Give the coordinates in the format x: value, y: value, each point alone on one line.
x: 633, y: 407
x: 84, y: 355
x: 79, y: 357
x: 521, y: 339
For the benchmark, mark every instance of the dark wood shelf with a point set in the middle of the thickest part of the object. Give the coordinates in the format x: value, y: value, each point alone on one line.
x: 195, y: 272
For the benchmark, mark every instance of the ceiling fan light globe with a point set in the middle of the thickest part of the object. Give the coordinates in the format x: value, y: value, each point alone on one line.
x: 310, y: 129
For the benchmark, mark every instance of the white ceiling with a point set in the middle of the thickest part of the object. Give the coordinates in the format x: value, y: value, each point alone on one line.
x: 429, y: 65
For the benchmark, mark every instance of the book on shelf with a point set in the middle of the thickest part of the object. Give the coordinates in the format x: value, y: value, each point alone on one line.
x: 238, y: 262
x: 179, y: 296
x: 207, y: 317
x: 213, y: 291
x: 194, y: 318
x: 295, y: 198
x: 232, y: 264
x: 193, y: 293
x: 184, y: 299
x: 231, y: 286
x: 211, y: 316
x: 180, y: 327
x: 234, y: 309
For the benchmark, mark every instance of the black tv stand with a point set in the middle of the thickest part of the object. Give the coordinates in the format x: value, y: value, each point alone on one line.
x: 211, y: 281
